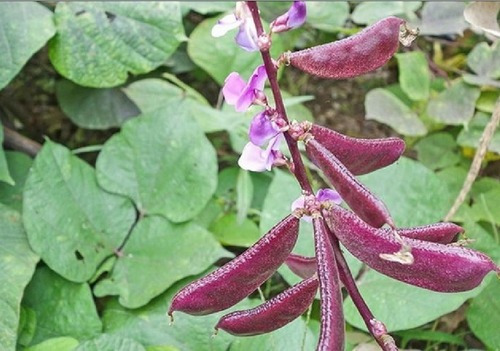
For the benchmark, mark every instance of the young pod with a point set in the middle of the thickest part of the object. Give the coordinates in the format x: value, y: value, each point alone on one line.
x: 238, y: 278
x: 304, y: 267
x: 332, y: 317
x: 438, y: 267
x: 353, y: 56
x: 360, y: 156
x: 359, y: 198
x: 442, y: 233
x: 273, y: 314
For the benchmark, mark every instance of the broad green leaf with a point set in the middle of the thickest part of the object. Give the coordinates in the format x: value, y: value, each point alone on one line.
x: 413, y: 193
x: 470, y: 137
x: 4, y: 169
x: 244, y: 194
x: 484, y: 60
x: 429, y: 335
x: 62, y: 308
x: 483, y: 315
x: 163, y: 162
x: 371, y: 12
x: 455, y: 105
x: 414, y: 75
x: 71, y: 222
x: 384, y: 107
x: 482, y: 240
x: 99, y: 43
x: 438, y: 151
x: 94, y: 108
x: 439, y: 18
x: 162, y: 348
x: 157, y: 254
x: 487, y: 100
x: 203, y: 49
x: 393, y: 302
x: 229, y: 231
x: 149, y: 325
x: 106, y: 342
x: 206, y: 7
x: 27, y: 326
x: 485, y: 207
x: 327, y: 16
x: 17, y: 264
x: 19, y: 165
x: 26, y: 27
x: 63, y: 343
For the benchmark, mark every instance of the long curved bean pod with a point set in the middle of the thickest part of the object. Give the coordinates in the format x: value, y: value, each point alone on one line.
x: 273, y: 314
x: 353, y: 56
x: 304, y: 267
x: 442, y: 233
x: 359, y: 198
x: 438, y: 267
x: 238, y: 278
x: 359, y: 155
x: 332, y: 318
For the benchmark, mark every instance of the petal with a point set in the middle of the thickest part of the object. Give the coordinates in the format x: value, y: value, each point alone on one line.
x: 258, y: 78
x: 256, y: 82
x: 233, y: 87
x: 297, y: 14
x: 299, y: 203
x: 328, y: 195
x: 262, y: 129
x: 253, y: 158
x: 225, y: 24
x: 247, y: 36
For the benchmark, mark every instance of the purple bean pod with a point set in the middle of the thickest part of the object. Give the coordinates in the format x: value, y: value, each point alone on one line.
x: 273, y: 314
x: 437, y: 267
x: 355, y: 194
x: 353, y: 56
x: 304, y: 267
x: 238, y: 278
x: 332, y: 317
x: 360, y: 156
x: 442, y: 233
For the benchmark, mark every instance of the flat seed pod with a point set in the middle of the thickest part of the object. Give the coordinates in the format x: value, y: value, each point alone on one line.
x: 360, y: 156
x: 442, y: 233
x: 304, y: 267
x: 353, y: 56
x: 237, y: 279
x: 273, y: 314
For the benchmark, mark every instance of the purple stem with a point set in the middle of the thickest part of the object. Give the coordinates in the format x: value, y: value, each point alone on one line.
x: 299, y: 169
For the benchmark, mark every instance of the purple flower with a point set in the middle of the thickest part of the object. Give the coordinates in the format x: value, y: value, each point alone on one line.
x: 262, y: 129
x: 293, y: 18
x: 255, y: 159
x: 242, y: 18
x: 323, y: 195
x: 241, y: 94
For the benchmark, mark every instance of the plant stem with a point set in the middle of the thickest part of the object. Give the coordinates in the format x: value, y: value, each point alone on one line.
x: 299, y: 169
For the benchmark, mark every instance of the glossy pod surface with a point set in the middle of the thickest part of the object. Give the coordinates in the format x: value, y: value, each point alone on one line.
x: 332, y: 317
x: 273, y: 314
x: 438, y: 267
x: 353, y: 56
x: 359, y: 198
x: 238, y: 278
x: 360, y: 156
x: 303, y: 266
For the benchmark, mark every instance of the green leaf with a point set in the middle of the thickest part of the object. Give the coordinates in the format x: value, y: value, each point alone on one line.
x: 203, y: 48
x: 483, y: 315
x: 4, y: 169
x: 17, y: 264
x: 229, y: 231
x: 413, y: 193
x: 26, y: 27
x: 438, y: 151
x: 94, y: 108
x: 149, y: 325
x: 327, y: 16
x: 414, y: 75
x: 244, y: 194
x: 429, y: 335
x: 27, y: 326
x: 71, y: 222
x: 206, y: 8
x: 455, y: 105
x: 371, y: 12
x: 163, y: 162
x: 62, y: 307
x: 393, y: 301
x: 99, y: 43
x: 487, y: 100
x: 484, y: 59
x: 63, y: 343
x: 384, y: 107
x: 440, y: 18
x: 19, y: 165
x: 470, y: 137
x: 482, y: 240
x: 107, y: 342
x: 157, y: 254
